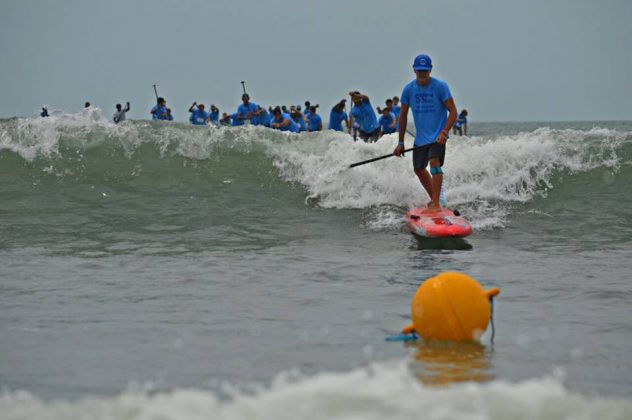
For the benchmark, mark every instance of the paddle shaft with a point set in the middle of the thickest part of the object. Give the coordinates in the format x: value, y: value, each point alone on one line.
x: 383, y: 157
x: 353, y: 165
x: 243, y: 86
x: 156, y: 92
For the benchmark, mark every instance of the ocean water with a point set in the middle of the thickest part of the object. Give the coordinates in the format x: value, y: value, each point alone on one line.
x: 152, y: 270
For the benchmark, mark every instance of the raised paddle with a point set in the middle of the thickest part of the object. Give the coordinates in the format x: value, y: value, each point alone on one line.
x: 156, y: 92
x: 243, y: 86
x: 353, y: 165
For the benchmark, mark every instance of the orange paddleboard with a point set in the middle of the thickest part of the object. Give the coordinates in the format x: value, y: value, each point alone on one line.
x: 441, y: 224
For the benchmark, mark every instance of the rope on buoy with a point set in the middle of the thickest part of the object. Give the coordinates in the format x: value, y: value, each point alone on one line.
x: 491, y: 318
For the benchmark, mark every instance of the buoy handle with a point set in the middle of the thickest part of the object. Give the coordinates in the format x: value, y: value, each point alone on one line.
x: 492, y: 292
x: 408, y: 329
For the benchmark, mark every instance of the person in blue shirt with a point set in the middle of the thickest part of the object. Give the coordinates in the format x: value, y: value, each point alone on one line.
x: 263, y: 116
x: 235, y: 122
x: 395, y: 108
x: 213, y: 115
x: 169, y: 116
x: 434, y: 113
x: 245, y: 111
x: 460, y: 125
x: 315, y: 121
x: 198, y: 115
x: 387, y: 122
x: 44, y: 112
x: 308, y: 105
x: 283, y: 121
x: 226, y: 120
x: 362, y: 112
x: 337, y: 116
x: 297, y: 117
x: 159, y: 111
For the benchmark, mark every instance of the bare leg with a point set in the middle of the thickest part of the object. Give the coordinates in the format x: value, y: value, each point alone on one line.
x: 437, y: 180
x: 426, y: 181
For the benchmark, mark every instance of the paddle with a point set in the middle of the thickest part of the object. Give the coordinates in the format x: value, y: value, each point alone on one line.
x: 353, y: 165
x: 243, y: 86
x: 156, y: 92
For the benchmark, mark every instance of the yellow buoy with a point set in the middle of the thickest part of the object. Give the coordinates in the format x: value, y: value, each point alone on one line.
x: 450, y: 306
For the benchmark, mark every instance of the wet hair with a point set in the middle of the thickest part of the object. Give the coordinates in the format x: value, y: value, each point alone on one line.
x: 388, y: 101
x: 118, y: 106
x: 276, y: 110
x: 245, y: 96
x: 87, y: 104
x: 312, y: 109
x: 160, y: 99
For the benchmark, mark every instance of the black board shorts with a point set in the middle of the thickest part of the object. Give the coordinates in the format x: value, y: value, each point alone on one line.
x: 369, y: 137
x: 423, y: 154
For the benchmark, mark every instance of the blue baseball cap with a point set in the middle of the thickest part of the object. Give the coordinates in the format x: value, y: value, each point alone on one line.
x: 422, y: 62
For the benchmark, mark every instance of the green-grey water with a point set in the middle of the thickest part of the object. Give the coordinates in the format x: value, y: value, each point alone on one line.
x: 168, y: 257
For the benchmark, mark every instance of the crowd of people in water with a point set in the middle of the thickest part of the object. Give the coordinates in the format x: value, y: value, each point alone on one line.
x: 428, y: 99
x: 362, y: 121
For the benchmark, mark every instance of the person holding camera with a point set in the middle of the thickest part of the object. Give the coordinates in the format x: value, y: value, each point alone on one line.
x: 362, y: 113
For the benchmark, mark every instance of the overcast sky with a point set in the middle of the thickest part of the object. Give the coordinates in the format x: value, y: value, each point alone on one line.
x: 504, y: 60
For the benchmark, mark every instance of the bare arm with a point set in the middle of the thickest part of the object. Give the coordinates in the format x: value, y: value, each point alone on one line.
x: 403, y: 122
x: 284, y: 124
x: 443, y: 136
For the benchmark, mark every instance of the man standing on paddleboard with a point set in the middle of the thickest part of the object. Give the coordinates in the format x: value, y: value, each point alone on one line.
x: 430, y: 101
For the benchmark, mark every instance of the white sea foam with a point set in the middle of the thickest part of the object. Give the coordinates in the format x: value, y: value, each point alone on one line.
x: 385, y: 390
x: 485, y: 177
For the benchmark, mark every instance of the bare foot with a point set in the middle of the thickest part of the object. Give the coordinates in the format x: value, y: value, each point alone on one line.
x: 432, y: 208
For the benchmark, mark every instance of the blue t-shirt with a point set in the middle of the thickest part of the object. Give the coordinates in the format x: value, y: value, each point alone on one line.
x: 264, y: 118
x: 234, y: 122
x: 460, y: 121
x: 214, y: 116
x: 198, y: 117
x: 243, y: 110
x: 395, y: 110
x: 335, y: 120
x: 301, y: 123
x: 365, y: 116
x: 427, y: 106
x: 315, y: 122
x: 159, y: 113
x: 292, y: 126
x: 386, y: 122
